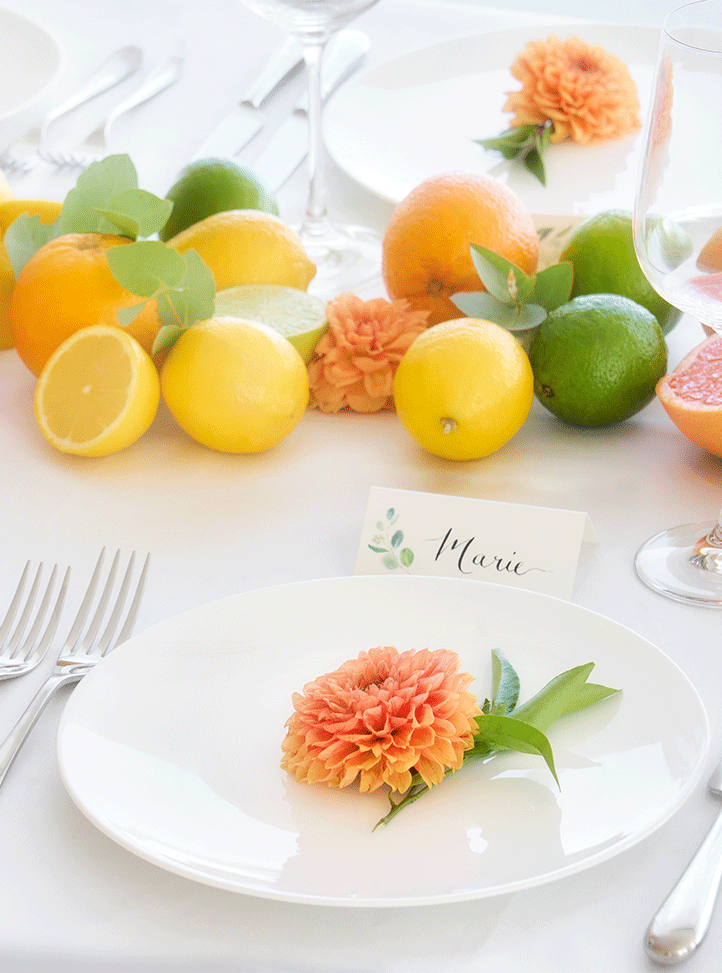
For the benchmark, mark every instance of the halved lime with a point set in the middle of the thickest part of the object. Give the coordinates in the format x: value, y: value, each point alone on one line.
x: 298, y: 316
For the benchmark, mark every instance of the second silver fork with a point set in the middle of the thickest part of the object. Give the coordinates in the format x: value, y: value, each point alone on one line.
x: 79, y: 655
x: 95, y: 145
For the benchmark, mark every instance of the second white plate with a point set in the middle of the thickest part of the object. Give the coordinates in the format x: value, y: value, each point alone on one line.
x: 417, y: 116
x: 172, y: 746
x: 31, y: 60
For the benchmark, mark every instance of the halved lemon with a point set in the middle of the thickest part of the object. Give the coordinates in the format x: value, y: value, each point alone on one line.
x: 98, y: 393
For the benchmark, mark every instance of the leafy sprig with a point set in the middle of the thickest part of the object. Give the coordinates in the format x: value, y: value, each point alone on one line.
x: 504, y: 725
x: 514, y: 299
x: 525, y: 144
x: 107, y: 199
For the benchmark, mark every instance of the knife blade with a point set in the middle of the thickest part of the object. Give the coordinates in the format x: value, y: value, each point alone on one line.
x: 288, y: 146
x: 246, y: 119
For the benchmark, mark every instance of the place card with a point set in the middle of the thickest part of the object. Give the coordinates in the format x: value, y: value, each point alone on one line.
x: 408, y: 532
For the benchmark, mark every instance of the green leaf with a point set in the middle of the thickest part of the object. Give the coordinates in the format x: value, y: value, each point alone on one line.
x: 567, y: 692
x: 166, y: 337
x: 146, y: 267
x: 406, y: 556
x: 505, y: 682
x: 494, y: 271
x: 389, y: 513
x: 201, y: 288
x: 481, y: 304
x: 509, y: 733
x: 136, y: 212
x: 100, y: 182
x: 397, y: 538
x: 389, y: 561
x: 126, y: 315
x: 553, y: 286
x: 25, y: 236
x: 379, y: 550
x: 524, y: 143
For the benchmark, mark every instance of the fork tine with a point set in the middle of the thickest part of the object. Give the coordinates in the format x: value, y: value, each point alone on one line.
x: 29, y: 655
x: 13, y: 650
x: 120, y: 601
x: 12, y: 610
x: 89, y: 637
x: 135, y: 605
x: 84, y: 609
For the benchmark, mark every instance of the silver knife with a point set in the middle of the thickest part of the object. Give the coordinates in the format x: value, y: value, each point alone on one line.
x: 288, y: 146
x: 240, y: 125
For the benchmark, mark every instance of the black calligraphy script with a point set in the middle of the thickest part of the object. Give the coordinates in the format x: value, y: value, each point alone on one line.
x: 468, y: 557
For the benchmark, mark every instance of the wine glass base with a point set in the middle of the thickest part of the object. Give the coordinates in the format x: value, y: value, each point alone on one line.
x: 347, y: 258
x: 679, y: 564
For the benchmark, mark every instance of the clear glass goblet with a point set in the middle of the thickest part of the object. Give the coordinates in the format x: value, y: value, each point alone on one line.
x: 346, y: 257
x: 678, y: 211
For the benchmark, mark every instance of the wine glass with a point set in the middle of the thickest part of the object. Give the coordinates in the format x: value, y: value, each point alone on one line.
x: 346, y: 257
x: 678, y: 211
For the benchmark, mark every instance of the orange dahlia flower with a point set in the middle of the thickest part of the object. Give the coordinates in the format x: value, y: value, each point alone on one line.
x: 381, y: 716
x: 585, y: 92
x: 355, y: 362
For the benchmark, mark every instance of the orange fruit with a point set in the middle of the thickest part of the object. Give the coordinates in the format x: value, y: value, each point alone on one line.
x: 10, y: 209
x: 67, y: 285
x: 426, y: 255
x: 692, y: 395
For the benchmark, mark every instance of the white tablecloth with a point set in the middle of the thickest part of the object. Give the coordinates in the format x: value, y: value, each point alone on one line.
x: 70, y: 899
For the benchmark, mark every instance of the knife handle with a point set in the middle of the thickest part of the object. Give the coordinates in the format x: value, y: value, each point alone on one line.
x: 285, y: 59
x: 682, y: 921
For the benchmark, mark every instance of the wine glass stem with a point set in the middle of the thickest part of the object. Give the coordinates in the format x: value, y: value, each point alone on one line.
x: 315, y: 222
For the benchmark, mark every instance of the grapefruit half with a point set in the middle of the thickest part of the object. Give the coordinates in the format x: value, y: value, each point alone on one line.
x: 692, y: 395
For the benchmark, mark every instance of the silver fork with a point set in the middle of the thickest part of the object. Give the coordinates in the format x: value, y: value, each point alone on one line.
x: 79, y: 655
x: 17, y: 658
x: 25, y: 153
x: 94, y: 146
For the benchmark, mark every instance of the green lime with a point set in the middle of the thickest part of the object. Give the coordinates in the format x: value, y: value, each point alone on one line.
x: 601, y: 250
x: 298, y: 316
x: 597, y: 359
x: 210, y: 186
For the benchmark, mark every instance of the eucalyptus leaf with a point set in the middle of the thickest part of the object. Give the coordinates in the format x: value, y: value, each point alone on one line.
x: 126, y: 315
x: 25, y: 236
x: 146, y: 266
x: 390, y: 562
x: 100, y: 182
x: 493, y: 271
x: 166, y: 337
x: 553, y: 286
x: 136, y: 212
x: 379, y: 550
x: 406, y: 556
x: 397, y: 538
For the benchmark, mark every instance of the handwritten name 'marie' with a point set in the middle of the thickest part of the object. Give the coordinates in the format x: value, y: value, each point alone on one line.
x: 467, y: 559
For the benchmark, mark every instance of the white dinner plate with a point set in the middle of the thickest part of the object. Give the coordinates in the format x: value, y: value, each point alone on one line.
x: 32, y: 58
x: 417, y: 116
x: 171, y: 746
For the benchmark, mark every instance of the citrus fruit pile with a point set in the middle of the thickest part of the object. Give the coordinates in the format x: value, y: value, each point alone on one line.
x: 236, y: 380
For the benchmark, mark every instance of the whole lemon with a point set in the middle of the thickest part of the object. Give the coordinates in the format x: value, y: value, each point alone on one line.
x: 463, y: 388
x: 597, y: 359
x: 209, y: 186
x: 601, y: 251
x: 233, y: 385
x: 246, y: 246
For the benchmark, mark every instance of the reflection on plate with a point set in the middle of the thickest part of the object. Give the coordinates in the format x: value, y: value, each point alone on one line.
x: 172, y: 745
x: 31, y: 60
x: 417, y: 116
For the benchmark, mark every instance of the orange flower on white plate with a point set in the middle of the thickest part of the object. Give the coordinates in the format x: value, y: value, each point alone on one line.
x: 381, y: 716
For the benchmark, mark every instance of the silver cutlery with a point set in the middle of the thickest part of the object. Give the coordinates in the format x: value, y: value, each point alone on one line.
x: 288, y: 146
x: 246, y: 119
x: 79, y: 655
x: 95, y: 145
x: 18, y: 656
x: 682, y: 921
x: 25, y: 153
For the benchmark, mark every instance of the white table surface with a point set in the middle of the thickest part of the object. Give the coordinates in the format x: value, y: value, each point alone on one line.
x: 70, y: 899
